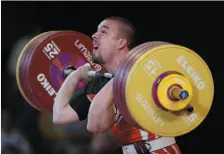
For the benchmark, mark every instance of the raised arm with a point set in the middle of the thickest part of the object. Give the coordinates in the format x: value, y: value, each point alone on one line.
x: 63, y: 113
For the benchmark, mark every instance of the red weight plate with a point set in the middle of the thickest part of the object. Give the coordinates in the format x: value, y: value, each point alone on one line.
x: 26, y: 62
x: 51, y: 56
x: 20, y: 70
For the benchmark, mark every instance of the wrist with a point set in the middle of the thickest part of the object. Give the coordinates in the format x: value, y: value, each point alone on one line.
x: 74, y: 76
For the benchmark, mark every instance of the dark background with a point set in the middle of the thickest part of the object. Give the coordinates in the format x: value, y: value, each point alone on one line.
x: 197, y: 25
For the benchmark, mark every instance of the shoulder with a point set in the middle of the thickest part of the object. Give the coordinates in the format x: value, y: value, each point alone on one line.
x: 96, y: 84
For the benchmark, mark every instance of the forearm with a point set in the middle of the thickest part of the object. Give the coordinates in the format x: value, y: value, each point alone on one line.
x: 100, y: 121
x: 101, y: 112
x: 65, y: 92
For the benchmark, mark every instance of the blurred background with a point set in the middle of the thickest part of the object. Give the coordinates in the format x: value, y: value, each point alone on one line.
x: 24, y: 130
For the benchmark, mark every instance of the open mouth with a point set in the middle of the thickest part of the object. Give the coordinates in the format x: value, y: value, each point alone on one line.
x: 95, y: 47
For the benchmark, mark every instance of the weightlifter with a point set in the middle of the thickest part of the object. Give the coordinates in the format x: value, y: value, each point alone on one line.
x: 112, y: 41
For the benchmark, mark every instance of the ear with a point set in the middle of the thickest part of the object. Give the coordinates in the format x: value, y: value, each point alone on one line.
x: 122, y: 43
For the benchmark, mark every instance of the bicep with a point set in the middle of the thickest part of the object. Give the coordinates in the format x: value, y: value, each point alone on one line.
x: 76, y: 110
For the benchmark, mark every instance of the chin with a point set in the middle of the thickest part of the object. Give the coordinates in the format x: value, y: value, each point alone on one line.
x: 97, y: 60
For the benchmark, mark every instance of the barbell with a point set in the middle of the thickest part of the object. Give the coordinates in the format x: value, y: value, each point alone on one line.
x: 160, y: 87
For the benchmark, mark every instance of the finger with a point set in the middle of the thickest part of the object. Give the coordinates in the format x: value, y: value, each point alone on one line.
x: 88, y: 66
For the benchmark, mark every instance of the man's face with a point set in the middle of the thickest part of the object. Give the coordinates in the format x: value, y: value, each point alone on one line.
x: 105, y: 41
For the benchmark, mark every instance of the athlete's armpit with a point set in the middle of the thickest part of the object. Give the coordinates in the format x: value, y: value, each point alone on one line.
x: 80, y: 104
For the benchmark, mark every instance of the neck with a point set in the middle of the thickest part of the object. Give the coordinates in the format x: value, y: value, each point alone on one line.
x: 115, y: 62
